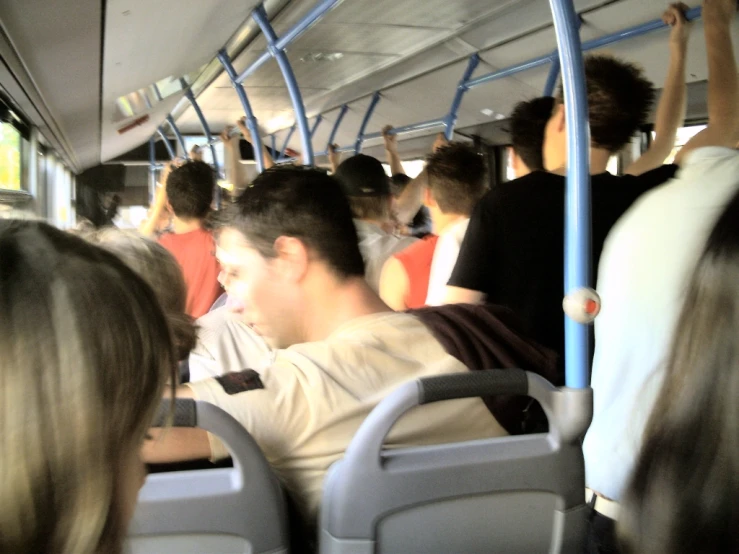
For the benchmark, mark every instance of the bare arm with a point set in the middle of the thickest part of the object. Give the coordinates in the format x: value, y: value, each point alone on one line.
x: 159, y: 206
x: 196, y: 154
x: 411, y: 199
x: 391, y: 150
x: 266, y: 156
x: 231, y: 156
x: 672, y: 104
x: 394, y: 285
x: 334, y: 157
x: 723, y: 85
x: 458, y: 295
x: 176, y: 444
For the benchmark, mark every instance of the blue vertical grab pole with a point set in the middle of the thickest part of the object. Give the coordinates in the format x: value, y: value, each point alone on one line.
x: 554, y: 70
x: 287, y: 142
x: 365, y: 121
x: 180, y: 138
x: 260, y: 16
x: 577, y: 204
x: 172, y: 124
x: 251, y: 121
x: 316, y: 123
x: 335, y: 129
x: 168, y: 146
x: 451, y: 119
x: 206, y: 128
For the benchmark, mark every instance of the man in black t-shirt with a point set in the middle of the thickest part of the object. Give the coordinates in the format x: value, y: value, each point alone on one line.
x: 513, y: 253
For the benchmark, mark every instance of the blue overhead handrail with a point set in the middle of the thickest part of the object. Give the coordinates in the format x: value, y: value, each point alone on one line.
x: 251, y: 121
x: 577, y: 206
x: 451, y: 118
x: 167, y: 145
x: 286, y: 143
x: 552, y: 78
x: 335, y: 129
x: 172, y: 124
x: 206, y: 128
x: 612, y: 38
x: 277, y: 51
x: 316, y: 123
x: 280, y: 44
x: 638, y: 30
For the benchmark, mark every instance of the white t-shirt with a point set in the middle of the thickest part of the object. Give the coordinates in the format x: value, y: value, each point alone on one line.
x: 317, y: 394
x: 226, y: 344
x: 377, y: 247
x: 445, y: 258
x: 644, y: 271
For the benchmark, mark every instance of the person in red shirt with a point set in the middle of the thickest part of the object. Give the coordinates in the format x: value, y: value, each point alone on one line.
x: 188, y: 195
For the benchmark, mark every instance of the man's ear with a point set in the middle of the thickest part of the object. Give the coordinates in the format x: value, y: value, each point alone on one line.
x: 559, y: 114
x: 292, y: 258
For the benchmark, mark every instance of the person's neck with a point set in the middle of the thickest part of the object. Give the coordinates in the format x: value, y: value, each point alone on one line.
x: 599, y: 159
x: 442, y: 222
x: 337, y: 304
x: 181, y: 226
x: 378, y: 222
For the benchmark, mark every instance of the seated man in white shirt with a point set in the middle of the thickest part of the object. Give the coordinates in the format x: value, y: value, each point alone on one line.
x: 290, y: 255
x: 642, y: 280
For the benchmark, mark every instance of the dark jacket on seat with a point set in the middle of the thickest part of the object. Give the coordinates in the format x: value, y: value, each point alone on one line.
x: 490, y: 337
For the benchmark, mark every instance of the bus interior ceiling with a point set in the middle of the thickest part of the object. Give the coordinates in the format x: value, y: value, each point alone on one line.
x: 67, y: 65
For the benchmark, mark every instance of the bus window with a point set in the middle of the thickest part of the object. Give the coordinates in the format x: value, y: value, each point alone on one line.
x: 412, y: 168
x: 10, y: 157
x: 684, y: 134
x: 202, y: 141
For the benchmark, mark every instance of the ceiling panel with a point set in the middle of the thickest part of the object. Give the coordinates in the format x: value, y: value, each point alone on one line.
x: 67, y: 36
x: 149, y: 41
x: 360, y: 37
x: 441, y: 14
x: 415, y: 52
x: 509, y: 24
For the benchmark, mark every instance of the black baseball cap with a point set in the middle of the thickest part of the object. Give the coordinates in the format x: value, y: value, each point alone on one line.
x: 363, y: 176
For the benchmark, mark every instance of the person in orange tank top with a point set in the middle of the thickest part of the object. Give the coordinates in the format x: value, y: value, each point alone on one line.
x: 454, y: 181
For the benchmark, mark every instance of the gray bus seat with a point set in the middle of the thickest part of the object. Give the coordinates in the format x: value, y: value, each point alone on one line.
x: 517, y: 494
x: 238, y: 510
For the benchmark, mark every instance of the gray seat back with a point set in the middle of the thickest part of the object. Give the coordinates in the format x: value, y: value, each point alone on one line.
x: 237, y: 510
x: 513, y: 494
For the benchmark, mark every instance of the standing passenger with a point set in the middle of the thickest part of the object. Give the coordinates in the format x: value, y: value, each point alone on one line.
x: 416, y: 276
x: 528, y: 122
x: 682, y: 498
x: 188, y: 194
x: 643, y: 277
x: 365, y: 182
x: 514, y: 251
